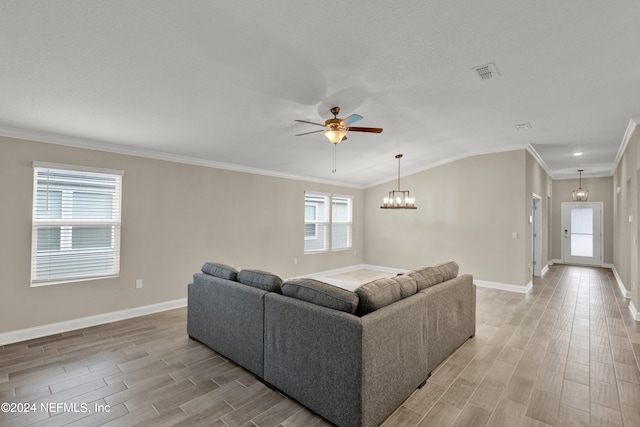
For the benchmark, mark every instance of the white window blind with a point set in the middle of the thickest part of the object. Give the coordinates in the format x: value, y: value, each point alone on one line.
x: 341, y: 208
x: 316, y: 222
x: 76, y: 224
x: 327, y: 222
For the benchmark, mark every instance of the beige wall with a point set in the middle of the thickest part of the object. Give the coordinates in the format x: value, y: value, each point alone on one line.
x: 600, y: 190
x: 538, y: 182
x: 467, y: 211
x: 626, y: 203
x: 174, y: 217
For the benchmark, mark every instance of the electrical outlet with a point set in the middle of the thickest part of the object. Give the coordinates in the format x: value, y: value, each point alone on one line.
x: 295, y: 260
x: 138, y: 283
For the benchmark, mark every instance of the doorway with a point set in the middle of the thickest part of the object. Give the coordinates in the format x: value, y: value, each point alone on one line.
x: 582, y: 233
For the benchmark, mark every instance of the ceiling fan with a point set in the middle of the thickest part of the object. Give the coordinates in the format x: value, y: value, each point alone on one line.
x: 336, y: 129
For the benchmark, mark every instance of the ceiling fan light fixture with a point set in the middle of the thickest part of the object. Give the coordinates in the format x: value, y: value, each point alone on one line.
x: 336, y: 129
x: 335, y: 136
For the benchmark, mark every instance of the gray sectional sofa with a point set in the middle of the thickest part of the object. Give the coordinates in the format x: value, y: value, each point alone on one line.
x: 351, y: 357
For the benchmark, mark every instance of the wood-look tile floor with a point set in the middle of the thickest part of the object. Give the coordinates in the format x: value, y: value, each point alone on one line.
x: 565, y: 354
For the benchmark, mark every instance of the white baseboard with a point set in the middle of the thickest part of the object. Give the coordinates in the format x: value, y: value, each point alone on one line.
x: 634, y: 311
x: 85, y: 322
x: 385, y: 269
x: 504, y: 286
x: 544, y: 270
x: 623, y: 289
x: 481, y: 283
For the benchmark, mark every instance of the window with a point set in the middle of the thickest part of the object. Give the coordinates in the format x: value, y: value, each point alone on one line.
x: 76, y: 224
x: 582, y: 232
x: 341, y: 222
x: 316, y: 222
x: 327, y: 222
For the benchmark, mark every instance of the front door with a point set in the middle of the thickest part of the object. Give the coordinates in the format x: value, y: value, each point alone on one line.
x: 582, y: 233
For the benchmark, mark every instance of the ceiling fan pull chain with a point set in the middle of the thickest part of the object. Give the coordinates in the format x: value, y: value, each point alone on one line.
x: 335, y: 147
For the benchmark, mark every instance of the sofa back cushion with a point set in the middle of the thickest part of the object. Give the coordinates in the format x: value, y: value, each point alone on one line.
x: 429, y: 276
x: 220, y: 270
x: 261, y: 279
x: 321, y: 293
x: 449, y: 270
x: 385, y: 291
x: 426, y: 277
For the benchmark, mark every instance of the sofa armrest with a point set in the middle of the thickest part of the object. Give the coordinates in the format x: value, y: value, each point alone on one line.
x: 395, y: 356
x: 228, y: 317
x: 353, y: 371
x: 451, y: 308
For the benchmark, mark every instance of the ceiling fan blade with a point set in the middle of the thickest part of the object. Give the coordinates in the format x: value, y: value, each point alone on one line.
x: 311, y: 123
x: 307, y: 133
x: 359, y: 129
x: 353, y: 118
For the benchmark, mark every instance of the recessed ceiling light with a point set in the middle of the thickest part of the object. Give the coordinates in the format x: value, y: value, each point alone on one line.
x: 523, y: 126
x: 577, y: 153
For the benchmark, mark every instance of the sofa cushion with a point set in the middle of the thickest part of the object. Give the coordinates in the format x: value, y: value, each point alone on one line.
x: 426, y: 277
x: 261, y: 279
x: 220, y: 270
x: 430, y: 276
x: 321, y: 293
x: 385, y: 291
x: 449, y: 270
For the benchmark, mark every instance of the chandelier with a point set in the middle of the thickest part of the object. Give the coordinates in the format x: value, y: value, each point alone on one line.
x: 580, y: 194
x: 399, y: 199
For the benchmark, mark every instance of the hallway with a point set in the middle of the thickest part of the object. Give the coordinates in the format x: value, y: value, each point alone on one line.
x: 565, y: 354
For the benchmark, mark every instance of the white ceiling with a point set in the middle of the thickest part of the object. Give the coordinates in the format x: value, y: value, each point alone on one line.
x: 222, y: 82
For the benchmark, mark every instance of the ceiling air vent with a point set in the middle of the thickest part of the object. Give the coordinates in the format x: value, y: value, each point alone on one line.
x: 523, y: 126
x: 487, y: 71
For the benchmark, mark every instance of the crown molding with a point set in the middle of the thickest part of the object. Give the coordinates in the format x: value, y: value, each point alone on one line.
x: 538, y: 159
x: 631, y: 128
x: 572, y: 175
x: 450, y: 160
x: 96, y: 145
x: 50, y: 138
